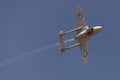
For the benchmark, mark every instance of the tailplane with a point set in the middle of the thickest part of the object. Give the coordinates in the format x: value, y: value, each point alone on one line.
x: 61, y: 38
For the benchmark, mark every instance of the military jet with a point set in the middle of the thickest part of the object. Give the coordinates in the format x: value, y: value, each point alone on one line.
x: 83, y: 35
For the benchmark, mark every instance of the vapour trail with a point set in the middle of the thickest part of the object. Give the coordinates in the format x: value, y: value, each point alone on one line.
x: 21, y: 57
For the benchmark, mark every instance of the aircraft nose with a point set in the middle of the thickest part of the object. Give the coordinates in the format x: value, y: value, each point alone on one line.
x: 98, y: 28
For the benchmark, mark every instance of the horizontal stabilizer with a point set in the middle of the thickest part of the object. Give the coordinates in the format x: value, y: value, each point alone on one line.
x: 61, y: 38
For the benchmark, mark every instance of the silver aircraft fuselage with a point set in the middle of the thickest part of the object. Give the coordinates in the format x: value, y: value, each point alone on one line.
x: 89, y: 32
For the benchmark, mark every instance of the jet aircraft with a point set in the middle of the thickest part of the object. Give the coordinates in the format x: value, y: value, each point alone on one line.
x: 83, y: 35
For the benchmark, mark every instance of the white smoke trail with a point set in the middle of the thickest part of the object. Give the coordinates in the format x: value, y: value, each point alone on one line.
x: 18, y: 58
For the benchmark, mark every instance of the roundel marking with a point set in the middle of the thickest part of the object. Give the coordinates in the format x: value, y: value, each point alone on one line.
x: 85, y: 53
x: 80, y: 15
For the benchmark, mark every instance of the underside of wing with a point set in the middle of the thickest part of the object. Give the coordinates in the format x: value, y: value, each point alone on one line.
x: 81, y: 20
x: 84, y: 47
x: 85, y: 57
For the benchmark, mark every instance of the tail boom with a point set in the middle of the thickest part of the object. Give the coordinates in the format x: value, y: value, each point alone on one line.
x: 72, y: 46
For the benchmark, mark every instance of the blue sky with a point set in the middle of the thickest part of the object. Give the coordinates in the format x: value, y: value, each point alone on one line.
x: 26, y: 25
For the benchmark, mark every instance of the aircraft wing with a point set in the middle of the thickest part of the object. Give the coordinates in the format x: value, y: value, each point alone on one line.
x: 81, y: 20
x: 83, y: 41
x: 84, y: 47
